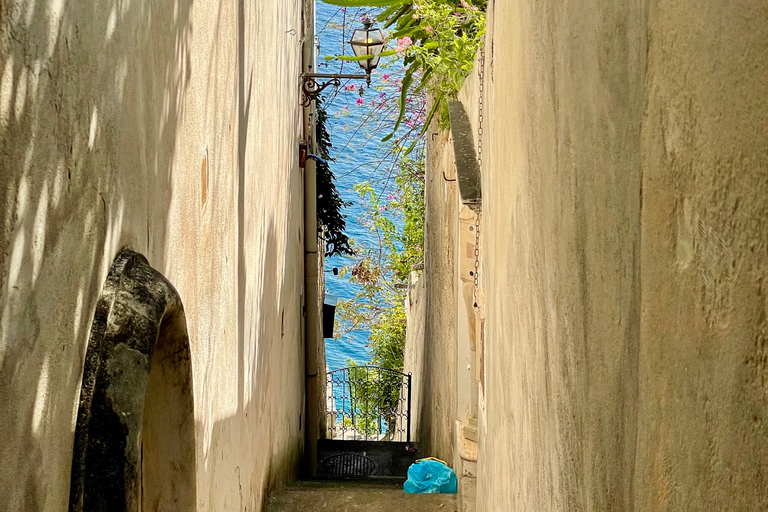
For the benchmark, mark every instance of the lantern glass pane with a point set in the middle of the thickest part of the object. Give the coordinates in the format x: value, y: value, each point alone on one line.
x: 359, y: 51
x: 367, y: 42
x: 359, y: 36
x: 376, y: 37
x: 359, y: 43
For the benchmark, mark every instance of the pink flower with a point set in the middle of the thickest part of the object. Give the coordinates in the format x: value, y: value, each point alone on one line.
x: 349, y: 87
x: 385, y: 76
x: 403, y: 43
x: 429, y: 29
x: 381, y: 208
x: 390, y: 197
x: 359, y: 101
x: 383, y: 95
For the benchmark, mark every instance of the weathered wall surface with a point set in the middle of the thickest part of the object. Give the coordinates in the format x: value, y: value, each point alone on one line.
x: 413, y: 357
x: 624, y: 256
x: 107, y: 112
x: 703, y: 395
x: 438, y: 409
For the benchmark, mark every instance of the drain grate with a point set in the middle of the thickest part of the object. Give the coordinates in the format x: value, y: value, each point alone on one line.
x: 348, y: 464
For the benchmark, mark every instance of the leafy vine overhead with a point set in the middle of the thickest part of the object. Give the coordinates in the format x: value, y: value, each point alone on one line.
x: 438, y: 40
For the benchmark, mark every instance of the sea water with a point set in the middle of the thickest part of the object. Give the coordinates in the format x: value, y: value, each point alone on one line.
x: 356, y: 153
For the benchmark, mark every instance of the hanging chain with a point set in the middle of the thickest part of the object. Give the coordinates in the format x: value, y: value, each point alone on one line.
x: 480, y: 111
x: 481, y: 73
x: 477, y: 253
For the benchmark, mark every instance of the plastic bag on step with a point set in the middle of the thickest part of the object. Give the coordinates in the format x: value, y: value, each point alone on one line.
x: 430, y: 476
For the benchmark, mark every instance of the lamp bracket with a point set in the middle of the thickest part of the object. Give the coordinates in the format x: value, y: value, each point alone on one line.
x: 311, y: 88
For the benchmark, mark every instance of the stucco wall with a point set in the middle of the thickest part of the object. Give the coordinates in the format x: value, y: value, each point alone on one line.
x: 624, y: 256
x: 413, y: 357
x: 107, y: 111
x: 703, y: 399
x: 438, y: 409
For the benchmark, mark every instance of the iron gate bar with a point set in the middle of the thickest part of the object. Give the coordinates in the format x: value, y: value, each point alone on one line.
x: 379, y: 402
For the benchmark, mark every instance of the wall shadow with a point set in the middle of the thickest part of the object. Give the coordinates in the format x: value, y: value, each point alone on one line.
x: 91, y: 96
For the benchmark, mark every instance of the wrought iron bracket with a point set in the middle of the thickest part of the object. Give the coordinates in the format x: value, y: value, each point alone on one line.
x: 311, y: 88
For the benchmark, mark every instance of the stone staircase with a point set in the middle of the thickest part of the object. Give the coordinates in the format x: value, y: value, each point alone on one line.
x: 351, y: 496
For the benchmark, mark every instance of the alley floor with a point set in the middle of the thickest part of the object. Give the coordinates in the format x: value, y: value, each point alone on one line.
x: 317, y: 496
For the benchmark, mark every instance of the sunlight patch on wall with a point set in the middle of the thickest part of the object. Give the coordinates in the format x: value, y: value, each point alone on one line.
x: 94, y: 127
x: 38, y: 233
x: 54, y: 16
x: 121, y: 73
x: 29, y: 15
x: 111, y: 24
x: 6, y: 91
x: 21, y: 93
x: 58, y: 182
x: 78, y: 315
x: 41, y: 397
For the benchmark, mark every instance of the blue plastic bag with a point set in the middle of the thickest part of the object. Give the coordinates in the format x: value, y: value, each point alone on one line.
x: 430, y: 476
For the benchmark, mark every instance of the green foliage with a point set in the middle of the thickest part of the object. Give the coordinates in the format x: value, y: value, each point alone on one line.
x: 397, y: 221
x: 439, y: 40
x: 329, y: 202
x: 366, y: 3
x: 445, y: 36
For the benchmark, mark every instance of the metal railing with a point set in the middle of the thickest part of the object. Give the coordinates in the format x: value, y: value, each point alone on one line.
x: 369, y: 403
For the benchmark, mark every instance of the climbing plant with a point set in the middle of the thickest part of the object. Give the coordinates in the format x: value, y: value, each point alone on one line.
x: 382, y: 271
x: 438, y: 40
x: 329, y: 202
x: 374, y: 400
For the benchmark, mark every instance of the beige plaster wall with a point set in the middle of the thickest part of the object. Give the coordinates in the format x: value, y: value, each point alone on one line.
x: 624, y: 256
x: 438, y: 409
x: 107, y: 111
x: 413, y: 356
x: 703, y: 397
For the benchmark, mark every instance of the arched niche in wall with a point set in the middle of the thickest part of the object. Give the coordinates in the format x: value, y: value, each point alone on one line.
x: 134, y: 447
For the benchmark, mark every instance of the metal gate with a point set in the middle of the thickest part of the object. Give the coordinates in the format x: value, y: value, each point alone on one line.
x: 368, y: 403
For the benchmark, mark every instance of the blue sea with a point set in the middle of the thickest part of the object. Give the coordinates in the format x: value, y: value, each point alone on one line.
x: 357, y: 153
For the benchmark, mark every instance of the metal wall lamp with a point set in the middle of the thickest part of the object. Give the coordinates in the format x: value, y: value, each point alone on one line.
x: 365, y: 41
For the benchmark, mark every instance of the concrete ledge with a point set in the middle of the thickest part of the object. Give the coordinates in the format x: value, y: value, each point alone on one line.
x: 351, y: 496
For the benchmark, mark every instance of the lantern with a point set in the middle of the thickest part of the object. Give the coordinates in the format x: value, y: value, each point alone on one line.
x: 367, y: 41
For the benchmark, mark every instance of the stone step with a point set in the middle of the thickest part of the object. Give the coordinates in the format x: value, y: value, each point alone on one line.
x: 352, y: 496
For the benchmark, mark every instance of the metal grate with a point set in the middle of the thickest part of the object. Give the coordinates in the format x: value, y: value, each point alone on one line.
x: 369, y: 403
x: 348, y: 464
